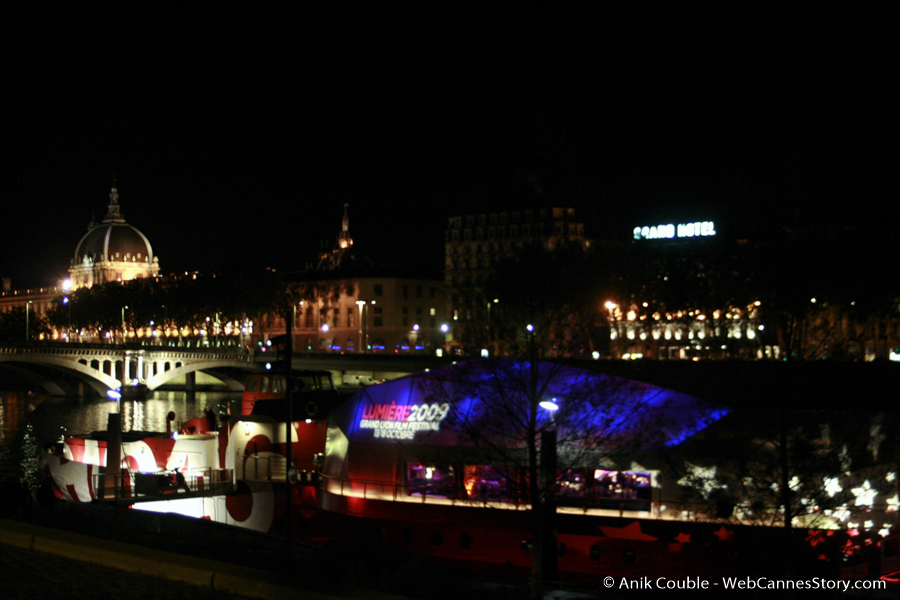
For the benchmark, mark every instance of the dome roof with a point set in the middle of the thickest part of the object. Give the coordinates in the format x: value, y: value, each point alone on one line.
x: 114, y: 239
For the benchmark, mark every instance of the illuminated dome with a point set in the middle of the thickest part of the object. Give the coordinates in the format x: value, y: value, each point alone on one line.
x: 112, y: 251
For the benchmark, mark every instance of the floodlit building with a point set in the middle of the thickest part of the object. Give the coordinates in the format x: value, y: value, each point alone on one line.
x: 112, y: 250
x: 350, y: 305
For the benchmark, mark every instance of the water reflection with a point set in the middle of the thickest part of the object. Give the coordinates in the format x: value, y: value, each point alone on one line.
x: 33, y: 420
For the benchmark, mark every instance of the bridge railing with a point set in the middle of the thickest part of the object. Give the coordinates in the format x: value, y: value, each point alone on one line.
x: 12, y: 347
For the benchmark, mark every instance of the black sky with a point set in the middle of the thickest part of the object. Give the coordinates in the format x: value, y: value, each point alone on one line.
x: 240, y: 144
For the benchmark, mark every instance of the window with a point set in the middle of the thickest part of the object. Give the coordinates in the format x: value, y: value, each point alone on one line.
x: 405, y: 292
x: 418, y: 291
x: 379, y: 290
x: 350, y: 315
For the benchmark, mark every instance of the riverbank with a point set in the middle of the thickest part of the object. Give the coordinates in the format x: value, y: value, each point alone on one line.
x: 36, y: 560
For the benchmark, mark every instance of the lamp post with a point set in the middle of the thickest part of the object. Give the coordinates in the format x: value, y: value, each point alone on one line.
x: 166, y: 323
x: 124, y: 330
x: 611, y: 308
x: 27, y: 322
x: 289, y: 470
x: 550, y: 564
x: 445, y: 328
x: 362, y: 323
x: 67, y: 287
x: 65, y: 302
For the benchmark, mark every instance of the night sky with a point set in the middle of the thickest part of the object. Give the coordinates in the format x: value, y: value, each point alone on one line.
x: 239, y: 145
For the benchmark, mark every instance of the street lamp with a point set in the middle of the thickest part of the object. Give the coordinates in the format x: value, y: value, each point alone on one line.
x: 27, y: 323
x: 363, y: 341
x: 550, y: 406
x: 65, y: 302
x: 613, y: 329
x: 124, y: 330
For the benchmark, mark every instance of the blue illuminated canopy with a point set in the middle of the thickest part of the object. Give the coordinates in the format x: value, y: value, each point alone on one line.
x: 496, y: 400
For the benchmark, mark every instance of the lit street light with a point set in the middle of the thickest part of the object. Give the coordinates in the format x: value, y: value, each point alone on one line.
x: 27, y: 323
x: 363, y: 338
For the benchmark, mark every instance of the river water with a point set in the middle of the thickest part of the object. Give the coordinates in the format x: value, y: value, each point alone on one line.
x: 29, y: 420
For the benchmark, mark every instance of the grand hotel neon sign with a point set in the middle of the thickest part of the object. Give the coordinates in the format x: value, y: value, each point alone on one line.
x: 669, y: 231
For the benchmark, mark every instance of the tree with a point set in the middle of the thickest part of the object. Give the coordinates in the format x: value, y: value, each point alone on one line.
x: 555, y: 291
x: 14, y: 324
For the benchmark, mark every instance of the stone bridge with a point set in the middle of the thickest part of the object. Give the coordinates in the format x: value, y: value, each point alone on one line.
x: 64, y: 369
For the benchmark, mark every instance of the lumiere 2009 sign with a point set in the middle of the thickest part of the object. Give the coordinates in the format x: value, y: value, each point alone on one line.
x: 401, y: 421
x: 682, y: 230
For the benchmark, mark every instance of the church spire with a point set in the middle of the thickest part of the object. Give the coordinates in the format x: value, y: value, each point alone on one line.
x: 344, y: 239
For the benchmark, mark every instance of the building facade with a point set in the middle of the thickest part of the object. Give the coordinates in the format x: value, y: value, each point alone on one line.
x: 112, y: 250
x: 473, y: 245
x: 347, y: 304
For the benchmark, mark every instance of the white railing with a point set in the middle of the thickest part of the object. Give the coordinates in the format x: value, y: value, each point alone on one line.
x: 162, y: 484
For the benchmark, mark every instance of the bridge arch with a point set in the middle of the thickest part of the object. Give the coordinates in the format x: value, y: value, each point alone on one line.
x: 181, y: 369
x: 96, y: 379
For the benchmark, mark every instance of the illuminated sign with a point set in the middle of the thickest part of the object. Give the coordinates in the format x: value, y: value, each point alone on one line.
x: 669, y: 231
x: 402, y: 422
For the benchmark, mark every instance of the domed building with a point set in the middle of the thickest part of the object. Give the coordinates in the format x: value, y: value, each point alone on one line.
x: 112, y: 251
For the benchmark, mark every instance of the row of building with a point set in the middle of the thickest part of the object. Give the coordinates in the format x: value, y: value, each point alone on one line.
x: 354, y: 305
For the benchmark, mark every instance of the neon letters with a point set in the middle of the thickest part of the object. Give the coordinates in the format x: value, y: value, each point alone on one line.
x: 669, y: 231
x: 402, y: 422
